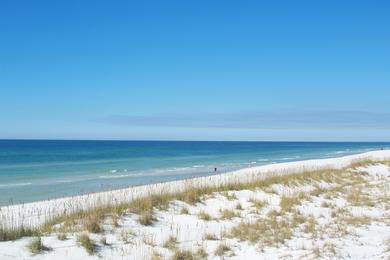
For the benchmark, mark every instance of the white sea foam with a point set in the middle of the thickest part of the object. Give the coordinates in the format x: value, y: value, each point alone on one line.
x: 287, y: 158
x: 9, y: 185
x: 251, y: 163
x: 121, y: 176
x: 198, y: 166
x: 157, y: 172
x: 63, y: 181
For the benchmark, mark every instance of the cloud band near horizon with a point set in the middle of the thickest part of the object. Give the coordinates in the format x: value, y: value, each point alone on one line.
x: 257, y: 120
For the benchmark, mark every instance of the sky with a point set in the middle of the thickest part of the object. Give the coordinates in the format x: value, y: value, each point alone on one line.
x: 195, y: 70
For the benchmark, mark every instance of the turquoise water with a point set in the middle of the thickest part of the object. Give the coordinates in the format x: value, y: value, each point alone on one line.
x: 36, y: 170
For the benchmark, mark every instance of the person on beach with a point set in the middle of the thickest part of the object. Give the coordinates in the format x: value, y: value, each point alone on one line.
x: 215, y: 169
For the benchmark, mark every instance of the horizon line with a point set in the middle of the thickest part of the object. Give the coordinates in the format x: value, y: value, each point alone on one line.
x: 176, y: 140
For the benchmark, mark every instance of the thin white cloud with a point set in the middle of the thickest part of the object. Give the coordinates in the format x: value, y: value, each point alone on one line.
x: 258, y: 120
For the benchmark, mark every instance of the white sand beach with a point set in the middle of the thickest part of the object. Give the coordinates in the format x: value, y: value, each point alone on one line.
x: 345, y: 215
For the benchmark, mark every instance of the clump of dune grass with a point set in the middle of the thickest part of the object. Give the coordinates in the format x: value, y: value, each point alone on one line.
x: 330, y: 248
x: 288, y: 202
x: 274, y: 213
x: 258, y: 204
x: 183, y: 255
x: 229, y: 195
x: 310, y: 225
x: 92, y: 224
x: 318, y: 190
x: 201, y: 254
x: 228, y: 214
x: 204, y: 216
x: 296, y: 218
x: 84, y: 241
x: 358, y: 163
x: 327, y: 250
x: 126, y: 236
x: 184, y: 211
x: 325, y: 204
x: 115, y: 220
x: 343, y: 217
x: 210, y: 236
x: 316, y: 252
x: 356, y: 197
x: 7, y: 234
x: 149, y: 240
x: 61, y: 236
x: 170, y: 243
x: 35, y: 245
x: 356, y: 220
x: 146, y: 218
x: 267, y: 231
x: 155, y: 256
x: 221, y: 249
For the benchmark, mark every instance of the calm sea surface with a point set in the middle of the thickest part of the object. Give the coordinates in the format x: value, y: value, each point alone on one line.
x: 36, y: 170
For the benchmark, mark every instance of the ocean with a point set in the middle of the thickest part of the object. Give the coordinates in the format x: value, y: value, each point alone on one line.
x: 32, y: 170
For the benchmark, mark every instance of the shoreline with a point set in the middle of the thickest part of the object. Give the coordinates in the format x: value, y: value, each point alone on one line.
x: 34, y: 214
x: 30, y: 173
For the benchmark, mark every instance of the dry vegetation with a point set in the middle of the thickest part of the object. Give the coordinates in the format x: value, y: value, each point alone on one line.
x: 144, y: 206
x: 84, y: 241
x: 35, y: 245
x: 204, y: 216
x: 171, y: 243
x: 228, y: 214
x: 270, y: 225
x: 221, y: 249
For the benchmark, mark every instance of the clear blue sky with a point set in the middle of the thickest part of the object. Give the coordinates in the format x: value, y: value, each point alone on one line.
x: 195, y: 70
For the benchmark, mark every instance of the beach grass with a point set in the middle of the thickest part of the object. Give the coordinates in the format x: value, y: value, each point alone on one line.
x: 146, y: 218
x: 228, y: 214
x: 221, y: 249
x: 183, y: 255
x: 210, y: 236
x: 8, y: 234
x: 35, y: 245
x: 201, y: 254
x: 84, y: 241
x: 184, y: 211
x: 61, y: 236
x: 204, y: 216
x: 170, y: 243
x: 191, y: 195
